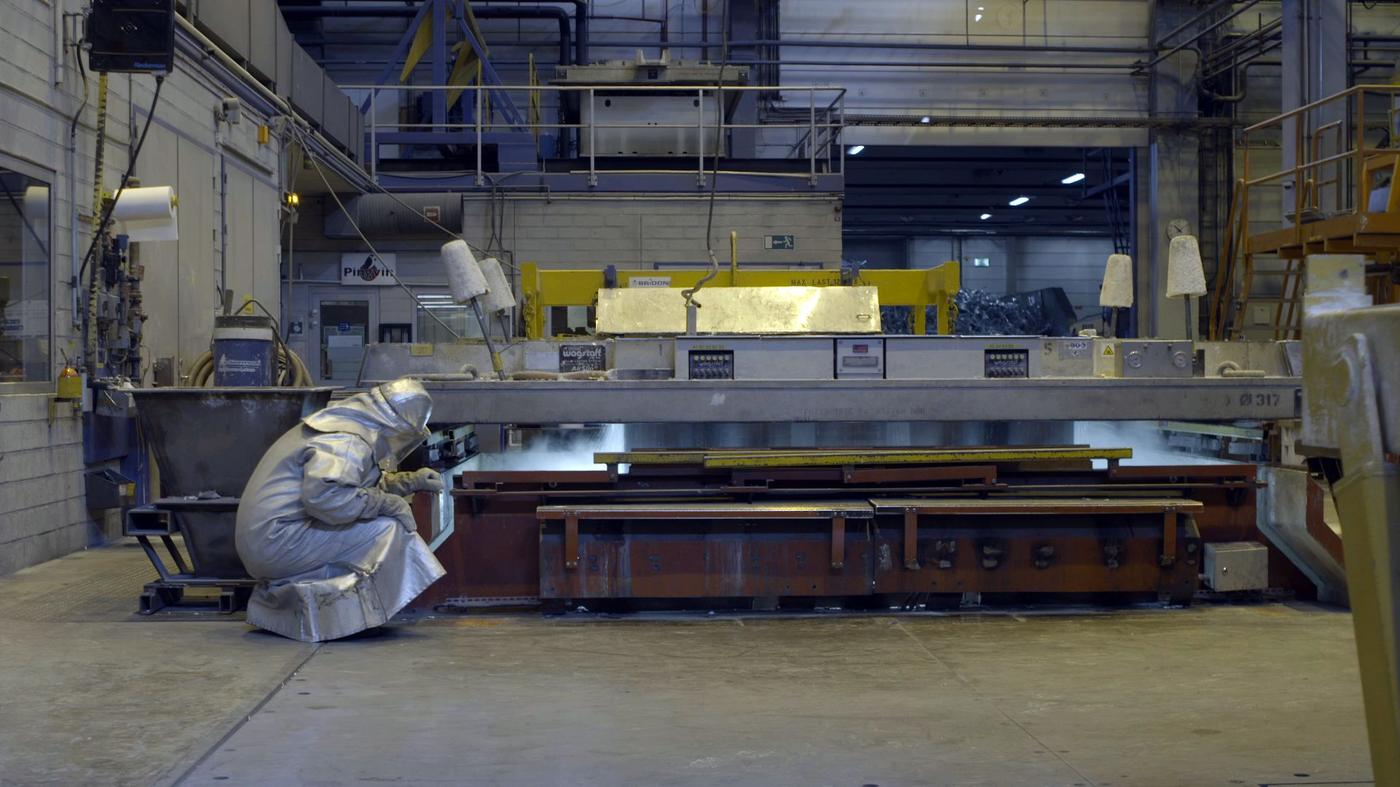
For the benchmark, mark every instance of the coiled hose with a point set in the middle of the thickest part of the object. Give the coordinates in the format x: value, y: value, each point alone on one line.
x: 291, y: 371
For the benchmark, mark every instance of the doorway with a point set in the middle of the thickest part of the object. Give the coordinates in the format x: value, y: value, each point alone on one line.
x: 345, y: 328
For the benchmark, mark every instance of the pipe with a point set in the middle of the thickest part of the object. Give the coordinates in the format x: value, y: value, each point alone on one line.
x: 513, y: 11
x: 385, y: 12
x: 1241, y: 83
x: 1193, y: 39
x: 347, y: 168
x: 547, y: 12
x: 581, y: 42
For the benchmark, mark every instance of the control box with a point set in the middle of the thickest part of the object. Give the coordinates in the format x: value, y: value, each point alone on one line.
x: 1236, y: 565
x: 963, y: 357
x: 711, y: 365
x: 860, y: 359
x: 1155, y: 358
x: 753, y: 357
x: 1003, y: 364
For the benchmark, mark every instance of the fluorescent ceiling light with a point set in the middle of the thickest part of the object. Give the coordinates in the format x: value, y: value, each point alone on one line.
x: 924, y: 119
x: 854, y: 150
x: 1075, y: 178
x: 977, y: 18
x: 986, y: 216
x: 1019, y: 201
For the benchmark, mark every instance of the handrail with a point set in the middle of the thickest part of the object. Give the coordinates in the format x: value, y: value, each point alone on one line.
x: 817, y: 136
x: 1330, y: 204
x: 1349, y: 92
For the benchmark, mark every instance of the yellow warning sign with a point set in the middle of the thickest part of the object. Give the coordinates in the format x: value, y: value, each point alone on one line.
x: 1107, y: 350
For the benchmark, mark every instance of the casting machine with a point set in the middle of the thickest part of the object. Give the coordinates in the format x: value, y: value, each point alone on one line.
x: 787, y: 453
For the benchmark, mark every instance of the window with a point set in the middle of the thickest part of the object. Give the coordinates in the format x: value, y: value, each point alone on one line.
x: 25, y: 244
x: 460, y: 319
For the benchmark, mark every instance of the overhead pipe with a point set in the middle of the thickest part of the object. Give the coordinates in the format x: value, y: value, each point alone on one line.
x: 581, y: 42
x: 1187, y: 44
x: 387, y: 11
x: 349, y: 9
x: 548, y: 12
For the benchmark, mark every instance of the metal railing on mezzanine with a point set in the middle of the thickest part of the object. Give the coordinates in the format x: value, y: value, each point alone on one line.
x: 815, y: 138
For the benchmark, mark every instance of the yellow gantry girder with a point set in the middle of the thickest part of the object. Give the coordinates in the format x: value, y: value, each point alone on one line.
x: 543, y: 289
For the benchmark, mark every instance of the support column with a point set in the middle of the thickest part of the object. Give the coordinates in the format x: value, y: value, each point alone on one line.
x: 1314, y: 46
x: 1174, y: 177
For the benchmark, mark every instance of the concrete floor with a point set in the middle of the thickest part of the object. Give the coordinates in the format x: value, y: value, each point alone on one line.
x: 93, y: 694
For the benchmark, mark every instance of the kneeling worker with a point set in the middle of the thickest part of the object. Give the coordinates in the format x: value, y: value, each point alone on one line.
x: 322, y: 525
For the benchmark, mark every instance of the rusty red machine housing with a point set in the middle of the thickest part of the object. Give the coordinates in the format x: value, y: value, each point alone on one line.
x: 687, y: 535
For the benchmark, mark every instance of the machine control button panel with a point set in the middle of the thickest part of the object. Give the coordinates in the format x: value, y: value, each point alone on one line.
x: 711, y: 365
x: 1002, y: 364
x: 862, y: 358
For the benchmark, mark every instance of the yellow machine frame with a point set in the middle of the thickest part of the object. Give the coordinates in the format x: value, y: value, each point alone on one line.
x: 544, y: 289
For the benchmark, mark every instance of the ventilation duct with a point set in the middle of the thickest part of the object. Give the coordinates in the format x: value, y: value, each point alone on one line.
x: 382, y: 216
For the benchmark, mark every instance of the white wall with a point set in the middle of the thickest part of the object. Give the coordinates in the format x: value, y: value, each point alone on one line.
x: 42, y: 511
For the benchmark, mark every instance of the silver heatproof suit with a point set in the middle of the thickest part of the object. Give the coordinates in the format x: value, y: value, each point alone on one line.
x: 322, y: 525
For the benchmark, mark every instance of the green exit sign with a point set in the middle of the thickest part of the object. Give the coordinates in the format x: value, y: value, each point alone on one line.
x: 779, y: 241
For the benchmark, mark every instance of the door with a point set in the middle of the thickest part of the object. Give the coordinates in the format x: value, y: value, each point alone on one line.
x: 345, y: 324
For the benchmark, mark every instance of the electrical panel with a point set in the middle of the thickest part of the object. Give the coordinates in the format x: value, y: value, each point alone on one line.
x: 711, y: 364
x: 1003, y: 364
x: 860, y: 359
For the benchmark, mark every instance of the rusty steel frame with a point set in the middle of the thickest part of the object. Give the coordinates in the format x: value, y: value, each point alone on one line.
x: 1168, y: 509
x: 669, y: 532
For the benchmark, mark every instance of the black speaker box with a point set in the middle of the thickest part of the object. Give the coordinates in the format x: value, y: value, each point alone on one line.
x: 131, y: 35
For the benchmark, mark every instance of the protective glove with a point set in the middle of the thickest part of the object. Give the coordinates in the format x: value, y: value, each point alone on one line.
x: 421, y: 480
x: 399, y: 509
x: 426, y: 479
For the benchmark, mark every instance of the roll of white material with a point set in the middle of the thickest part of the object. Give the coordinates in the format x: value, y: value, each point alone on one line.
x: 498, y: 295
x: 36, y: 206
x: 1185, y: 275
x: 1117, y: 291
x: 147, y: 214
x: 464, y: 275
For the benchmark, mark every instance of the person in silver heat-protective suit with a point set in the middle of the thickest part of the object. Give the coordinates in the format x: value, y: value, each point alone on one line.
x: 322, y: 524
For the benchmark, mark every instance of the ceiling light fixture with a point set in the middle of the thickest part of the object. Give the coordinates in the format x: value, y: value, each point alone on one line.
x: 1019, y: 201
x: 986, y: 216
x: 854, y: 150
x: 1072, y: 179
x: 925, y: 119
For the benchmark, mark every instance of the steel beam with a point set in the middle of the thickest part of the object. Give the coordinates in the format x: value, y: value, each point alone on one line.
x: 753, y: 401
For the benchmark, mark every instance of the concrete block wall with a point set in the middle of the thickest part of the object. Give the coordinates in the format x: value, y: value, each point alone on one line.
x: 42, y: 514
x: 42, y: 509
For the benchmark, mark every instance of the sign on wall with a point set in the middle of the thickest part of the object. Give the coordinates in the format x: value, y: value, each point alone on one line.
x: 363, y: 268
